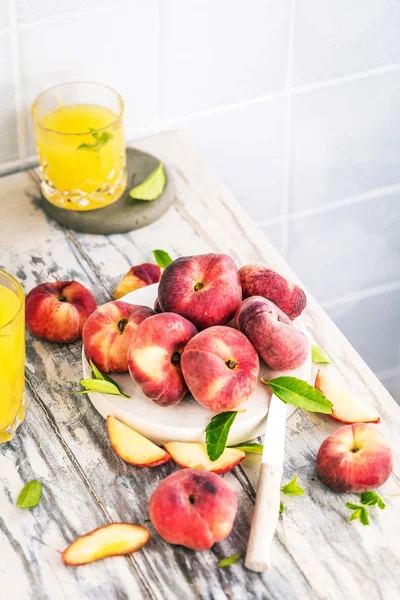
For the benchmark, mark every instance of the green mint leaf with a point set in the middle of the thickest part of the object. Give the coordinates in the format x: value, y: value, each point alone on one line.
x: 162, y: 258
x: 100, y: 139
x: 281, y: 508
x: 30, y: 494
x: 292, y: 488
x: 250, y: 447
x: 372, y: 499
x: 152, y: 187
x: 359, y: 512
x: 299, y: 393
x: 364, y: 516
x: 230, y: 560
x: 318, y: 355
x: 217, y: 433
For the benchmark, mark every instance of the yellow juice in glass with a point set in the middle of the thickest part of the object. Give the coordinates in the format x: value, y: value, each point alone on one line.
x: 12, y: 359
x: 81, y: 150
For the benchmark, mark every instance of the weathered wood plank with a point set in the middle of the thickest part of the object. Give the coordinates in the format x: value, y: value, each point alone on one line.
x: 317, y: 554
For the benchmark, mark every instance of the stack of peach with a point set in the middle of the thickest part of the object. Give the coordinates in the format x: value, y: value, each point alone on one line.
x: 187, y: 345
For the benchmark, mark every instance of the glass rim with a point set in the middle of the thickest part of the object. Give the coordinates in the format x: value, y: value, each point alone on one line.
x: 61, y: 85
x: 21, y: 299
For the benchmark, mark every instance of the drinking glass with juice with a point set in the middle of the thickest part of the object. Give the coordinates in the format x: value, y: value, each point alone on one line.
x: 12, y: 356
x: 80, y: 142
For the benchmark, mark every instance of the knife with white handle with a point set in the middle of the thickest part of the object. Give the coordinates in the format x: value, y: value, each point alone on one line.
x: 266, y: 510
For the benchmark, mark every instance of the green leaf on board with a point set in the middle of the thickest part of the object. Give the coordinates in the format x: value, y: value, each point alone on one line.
x: 30, y: 494
x: 318, y: 355
x: 162, y: 258
x: 230, y: 560
x: 359, y: 512
x: 297, y: 392
x: 281, y: 508
x: 217, y: 432
x: 250, y: 447
x: 292, y: 488
x: 96, y: 374
x: 100, y: 140
x: 100, y: 385
x: 152, y: 187
x: 372, y: 499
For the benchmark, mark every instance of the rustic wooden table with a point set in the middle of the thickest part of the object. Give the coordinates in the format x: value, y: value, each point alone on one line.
x: 63, y: 443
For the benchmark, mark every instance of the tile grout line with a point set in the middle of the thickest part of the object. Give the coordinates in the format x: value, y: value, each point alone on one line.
x: 386, y: 373
x: 16, y: 67
x: 157, y: 69
x: 287, y: 141
x: 369, y: 292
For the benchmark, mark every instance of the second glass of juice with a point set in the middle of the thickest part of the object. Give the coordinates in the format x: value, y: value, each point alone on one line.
x: 12, y: 356
x: 80, y: 142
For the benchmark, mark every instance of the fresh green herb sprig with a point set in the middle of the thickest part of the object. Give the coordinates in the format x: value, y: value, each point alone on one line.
x: 292, y: 390
x: 100, y: 382
x: 292, y: 488
x: 249, y: 447
x: 100, y: 140
x: 360, y: 511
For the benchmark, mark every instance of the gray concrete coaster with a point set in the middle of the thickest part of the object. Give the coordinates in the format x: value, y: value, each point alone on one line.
x: 126, y: 213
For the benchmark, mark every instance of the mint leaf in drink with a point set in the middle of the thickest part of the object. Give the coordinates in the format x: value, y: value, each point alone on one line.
x: 100, y: 139
x: 152, y: 187
x: 162, y: 258
x: 292, y: 488
x: 250, y: 447
x: 281, y: 508
x: 318, y: 355
x: 359, y: 512
x: 30, y: 494
x: 299, y: 393
x: 230, y: 560
x: 217, y: 432
x: 372, y: 499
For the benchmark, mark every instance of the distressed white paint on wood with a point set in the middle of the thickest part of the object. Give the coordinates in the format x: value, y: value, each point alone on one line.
x: 317, y: 554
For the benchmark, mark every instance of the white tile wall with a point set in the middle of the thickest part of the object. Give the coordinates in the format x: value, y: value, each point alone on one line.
x: 333, y: 39
x: 293, y: 104
x: 215, y: 53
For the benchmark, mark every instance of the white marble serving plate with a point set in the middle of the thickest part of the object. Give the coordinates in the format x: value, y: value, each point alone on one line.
x: 187, y: 420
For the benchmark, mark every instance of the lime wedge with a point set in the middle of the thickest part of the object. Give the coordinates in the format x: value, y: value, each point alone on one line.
x: 152, y: 187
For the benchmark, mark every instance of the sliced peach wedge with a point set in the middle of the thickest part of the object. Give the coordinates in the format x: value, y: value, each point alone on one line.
x: 194, y: 456
x: 133, y: 447
x: 110, y: 540
x: 347, y: 407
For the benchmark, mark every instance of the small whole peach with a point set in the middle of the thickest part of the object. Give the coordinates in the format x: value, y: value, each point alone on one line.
x: 108, y: 332
x: 257, y: 280
x: 220, y: 367
x: 138, y: 277
x: 58, y: 311
x: 354, y: 458
x: 277, y: 340
x: 154, y: 357
x: 205, y: 289
x: 193, y: 508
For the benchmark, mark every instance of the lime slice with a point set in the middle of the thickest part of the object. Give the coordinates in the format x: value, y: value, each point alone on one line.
x: 152, y: 187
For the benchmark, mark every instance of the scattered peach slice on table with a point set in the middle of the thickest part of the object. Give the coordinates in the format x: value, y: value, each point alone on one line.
x: 111, y: 540
x: 194, y: 456
x: 133, y: 447
x: 347, y: 407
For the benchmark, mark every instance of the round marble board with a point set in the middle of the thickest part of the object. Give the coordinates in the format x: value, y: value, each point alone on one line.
x: 186, y: 421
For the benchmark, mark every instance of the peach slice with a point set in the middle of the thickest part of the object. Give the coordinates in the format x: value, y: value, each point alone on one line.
x: 110, y: 540
x: 347, y: 408
x: 194, y: 456
x: 133, y: 447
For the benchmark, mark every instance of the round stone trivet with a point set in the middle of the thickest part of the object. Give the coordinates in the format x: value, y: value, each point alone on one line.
x: 126, y: 213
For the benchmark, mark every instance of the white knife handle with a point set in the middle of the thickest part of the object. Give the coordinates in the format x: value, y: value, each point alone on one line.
x: 265, y: 518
